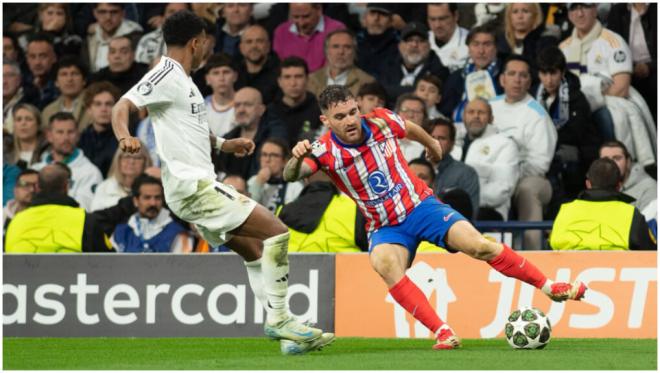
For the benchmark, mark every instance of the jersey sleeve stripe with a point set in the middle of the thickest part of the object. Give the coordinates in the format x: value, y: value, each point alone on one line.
x: 163, y: 75
x: 156, y: 73
x: 167, y: 67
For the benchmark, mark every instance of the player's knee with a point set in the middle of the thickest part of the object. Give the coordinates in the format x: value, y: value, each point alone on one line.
x: 384, y: 265
x: 484, y: 249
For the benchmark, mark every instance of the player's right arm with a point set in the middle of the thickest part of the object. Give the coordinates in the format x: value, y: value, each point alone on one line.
x: 120, y: 113
x: 296, y: 168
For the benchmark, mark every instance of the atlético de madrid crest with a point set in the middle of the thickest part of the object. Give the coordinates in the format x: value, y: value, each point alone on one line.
x: 386, y: 148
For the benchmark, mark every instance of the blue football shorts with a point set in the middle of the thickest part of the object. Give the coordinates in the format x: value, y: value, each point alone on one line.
x: 429, y: 221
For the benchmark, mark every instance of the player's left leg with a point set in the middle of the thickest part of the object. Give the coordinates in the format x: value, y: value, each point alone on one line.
x: 464, y: 237
x: 390, y: 261
x: 261, y: 224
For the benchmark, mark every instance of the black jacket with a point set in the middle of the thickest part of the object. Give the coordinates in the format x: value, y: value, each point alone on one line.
x: 124, y: 80
x: 99, y: 147
x: 640, y: 234
x: 265, y: 80
x: 391, y: 75
x: 269, y: 126
x: 376, y: 51
x: 305, y: 213
x: 302, y: 122
x: 537, y: 40
x: 619, y: 22
x: 579, y: 132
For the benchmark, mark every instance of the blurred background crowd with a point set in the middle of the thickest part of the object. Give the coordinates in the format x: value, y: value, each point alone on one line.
x: 523, y: 97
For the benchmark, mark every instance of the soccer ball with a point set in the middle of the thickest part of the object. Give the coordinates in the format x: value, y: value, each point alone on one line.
x: 528, y: 328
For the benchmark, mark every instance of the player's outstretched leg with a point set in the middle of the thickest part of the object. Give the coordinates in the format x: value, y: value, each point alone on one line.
x: 390, y: 262
x: 464, y: 237
x: 274, y: 273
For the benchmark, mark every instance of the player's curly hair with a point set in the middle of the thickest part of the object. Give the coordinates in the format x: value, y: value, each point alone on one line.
x: 182, y: 26
x: 333, y: 95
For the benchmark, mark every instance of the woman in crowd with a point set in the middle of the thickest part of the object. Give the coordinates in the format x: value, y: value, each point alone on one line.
x: 524, y: 31
x: 55, y: 19
x: 28, y: 140
x: 124, y: 169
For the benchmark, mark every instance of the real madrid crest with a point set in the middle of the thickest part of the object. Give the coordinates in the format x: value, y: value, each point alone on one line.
x: 485, y: 150
x: 145, y: 88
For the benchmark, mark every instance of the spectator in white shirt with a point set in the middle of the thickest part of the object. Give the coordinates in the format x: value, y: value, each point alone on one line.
x: 446, y: 38
x: 220, y: 76
x: 518, y: 115
x: 495, y: 158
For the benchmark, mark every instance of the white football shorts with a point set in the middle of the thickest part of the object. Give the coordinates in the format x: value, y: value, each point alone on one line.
x: 215, y: 209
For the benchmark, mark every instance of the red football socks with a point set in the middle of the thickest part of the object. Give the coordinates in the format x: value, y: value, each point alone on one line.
x: 413, y: 300
x: 509, y: 263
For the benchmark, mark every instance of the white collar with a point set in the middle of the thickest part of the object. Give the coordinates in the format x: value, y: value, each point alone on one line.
x: 319, y: 26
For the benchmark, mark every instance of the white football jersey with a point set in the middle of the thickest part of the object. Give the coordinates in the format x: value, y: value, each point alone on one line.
x: 181, y: 129
x: 609, y: 55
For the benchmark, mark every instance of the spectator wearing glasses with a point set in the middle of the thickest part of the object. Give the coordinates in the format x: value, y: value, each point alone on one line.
x: 24, y: 190
x: 446, y: 37
x: 268, y: 187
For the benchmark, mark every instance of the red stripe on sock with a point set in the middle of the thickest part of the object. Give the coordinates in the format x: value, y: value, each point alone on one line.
x: 408, y: 295
x: 510, y: 264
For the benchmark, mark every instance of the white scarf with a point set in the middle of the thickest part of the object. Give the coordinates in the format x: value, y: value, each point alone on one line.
x: 577, y: 50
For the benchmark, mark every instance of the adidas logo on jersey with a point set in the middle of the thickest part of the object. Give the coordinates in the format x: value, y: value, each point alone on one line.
x: 192, y: 94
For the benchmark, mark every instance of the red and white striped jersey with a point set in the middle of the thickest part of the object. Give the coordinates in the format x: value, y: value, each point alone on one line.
x: 374, y: 174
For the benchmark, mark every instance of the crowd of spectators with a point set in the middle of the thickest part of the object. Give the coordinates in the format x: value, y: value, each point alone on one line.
x: 523, y: 98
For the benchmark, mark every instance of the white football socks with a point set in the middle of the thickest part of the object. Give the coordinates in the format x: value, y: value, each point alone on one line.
x: 275, y: 274
x: 256, y: 280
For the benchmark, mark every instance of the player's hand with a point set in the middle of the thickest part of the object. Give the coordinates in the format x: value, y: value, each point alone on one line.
x: 130, y: 145
x: 302, y: 149
x: 263, y: 175
x: 434, y: 153
x: 240, y: 147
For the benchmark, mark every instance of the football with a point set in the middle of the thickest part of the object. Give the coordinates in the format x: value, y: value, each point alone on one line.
x: 528, y: 328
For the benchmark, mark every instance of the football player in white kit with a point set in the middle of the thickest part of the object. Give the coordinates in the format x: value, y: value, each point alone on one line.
x: 192, y: 192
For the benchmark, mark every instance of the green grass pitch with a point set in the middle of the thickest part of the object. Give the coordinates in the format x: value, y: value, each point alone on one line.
x: 345, y: 353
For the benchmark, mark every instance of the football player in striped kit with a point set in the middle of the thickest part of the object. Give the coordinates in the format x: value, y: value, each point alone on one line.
x: 362, y: 156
